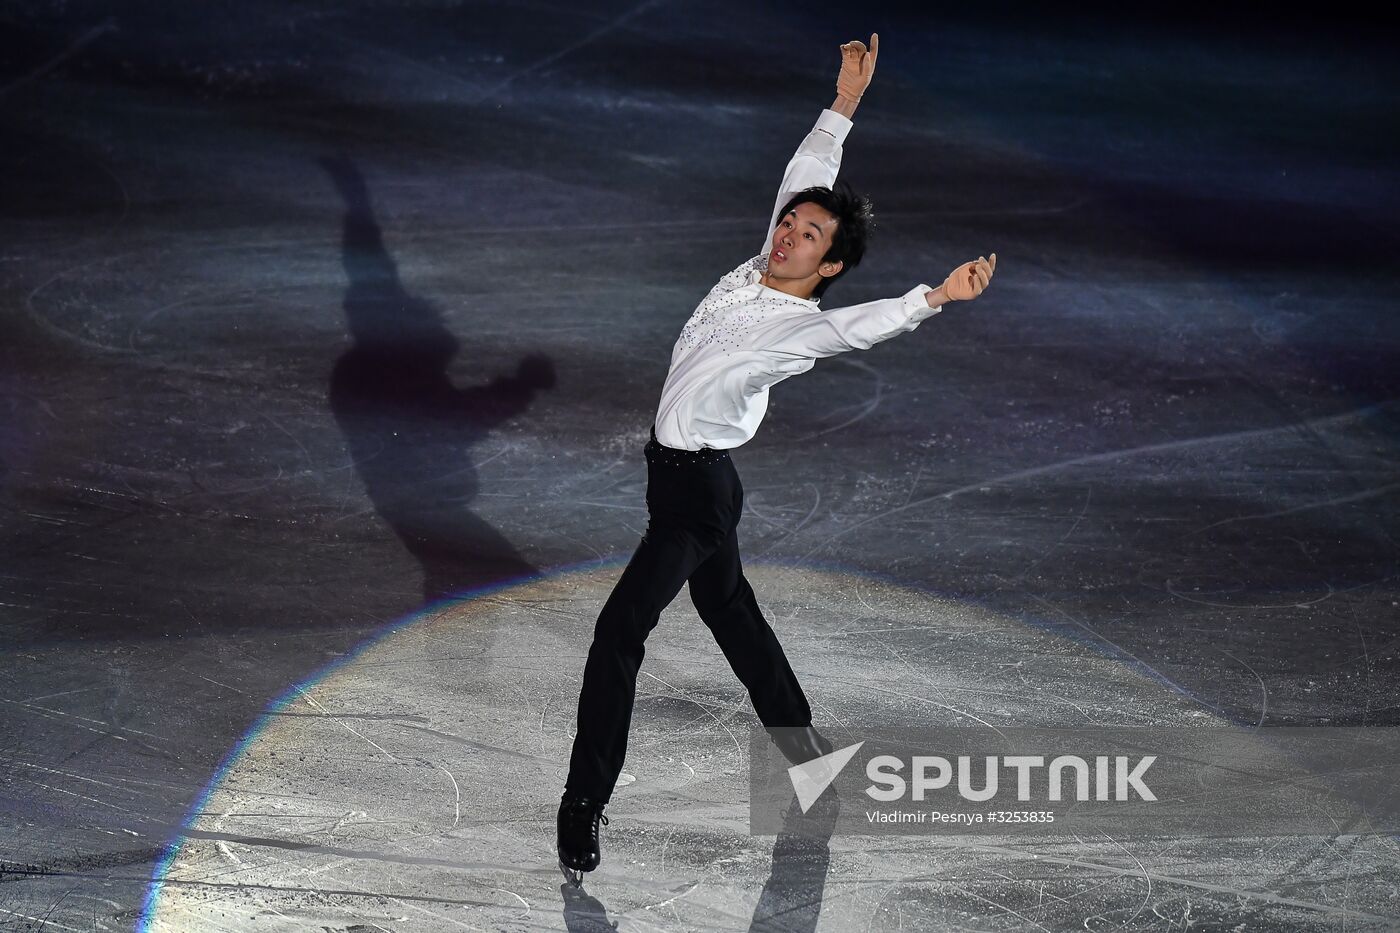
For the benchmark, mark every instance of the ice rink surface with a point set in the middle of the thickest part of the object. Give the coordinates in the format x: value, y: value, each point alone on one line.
x: 330, y: 335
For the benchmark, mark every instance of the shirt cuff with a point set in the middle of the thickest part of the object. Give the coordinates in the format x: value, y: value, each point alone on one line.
x: 917, y: 305
x: 835, y: 124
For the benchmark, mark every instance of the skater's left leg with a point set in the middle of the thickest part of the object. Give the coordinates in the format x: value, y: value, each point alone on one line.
x: 727, y: 605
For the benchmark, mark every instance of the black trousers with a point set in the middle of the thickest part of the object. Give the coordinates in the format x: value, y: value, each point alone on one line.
x: 693, y: 499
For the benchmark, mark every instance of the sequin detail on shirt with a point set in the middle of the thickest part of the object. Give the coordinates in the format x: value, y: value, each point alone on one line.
x: 723, y: 317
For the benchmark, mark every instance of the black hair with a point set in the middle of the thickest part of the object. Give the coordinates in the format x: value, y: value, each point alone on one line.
x: 854, y: 220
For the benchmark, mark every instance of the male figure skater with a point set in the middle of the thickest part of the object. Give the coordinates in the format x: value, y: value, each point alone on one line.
x: 759, y: 325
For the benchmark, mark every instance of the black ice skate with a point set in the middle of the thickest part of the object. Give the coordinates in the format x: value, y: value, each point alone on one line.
x: 799, y: 745
x: 578, y: 836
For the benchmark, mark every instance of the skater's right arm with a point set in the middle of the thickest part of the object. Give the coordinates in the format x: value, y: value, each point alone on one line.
x: 818, y: 159
x: 816, y: 162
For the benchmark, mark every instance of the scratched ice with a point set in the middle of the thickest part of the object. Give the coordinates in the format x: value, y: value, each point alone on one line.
x: 408, y: 785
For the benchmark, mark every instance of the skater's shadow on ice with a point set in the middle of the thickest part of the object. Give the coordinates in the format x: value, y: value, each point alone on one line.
x: 410, y: 431
x: 584, y: 913
x: 791, y: 900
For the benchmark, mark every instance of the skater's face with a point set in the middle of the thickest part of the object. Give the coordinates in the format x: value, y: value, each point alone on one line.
x: 800, y: 240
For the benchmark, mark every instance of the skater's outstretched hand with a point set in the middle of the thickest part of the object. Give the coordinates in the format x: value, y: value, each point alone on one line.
x: 969, y: 279
x: 857, y: 68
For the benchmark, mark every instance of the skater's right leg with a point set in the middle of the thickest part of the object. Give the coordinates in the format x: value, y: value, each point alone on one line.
x: 657, y: 571
x: 652, y: 579
x: 690, y: 505
x: 690, y: 500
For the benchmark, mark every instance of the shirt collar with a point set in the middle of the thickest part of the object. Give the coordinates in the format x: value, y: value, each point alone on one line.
x: 756, y: 273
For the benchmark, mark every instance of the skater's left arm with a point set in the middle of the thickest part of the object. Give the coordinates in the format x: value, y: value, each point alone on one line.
x: 860, y: 327
x: 855, y: 327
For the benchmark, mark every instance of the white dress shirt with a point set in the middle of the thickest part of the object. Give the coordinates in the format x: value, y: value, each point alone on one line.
x: 746, y: 337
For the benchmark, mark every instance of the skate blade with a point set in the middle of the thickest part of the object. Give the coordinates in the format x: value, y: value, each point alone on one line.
x: 572, y: 875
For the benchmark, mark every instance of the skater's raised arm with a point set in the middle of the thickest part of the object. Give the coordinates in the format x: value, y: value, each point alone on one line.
x: 818, y: 158
x: 857, y: 69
